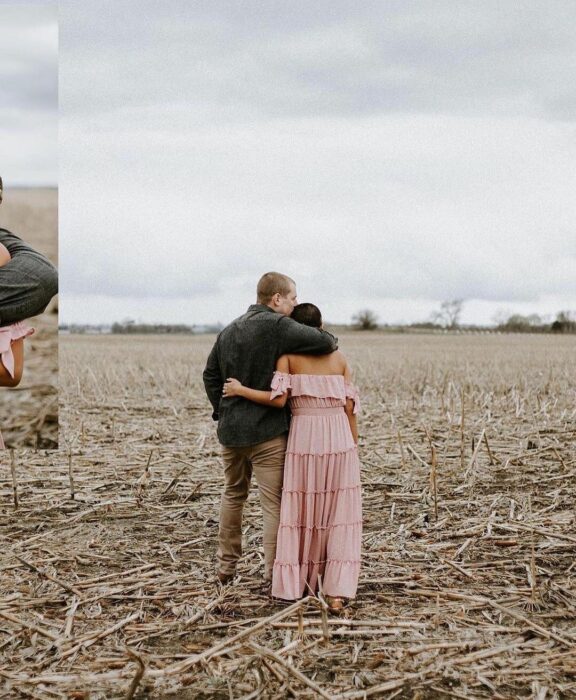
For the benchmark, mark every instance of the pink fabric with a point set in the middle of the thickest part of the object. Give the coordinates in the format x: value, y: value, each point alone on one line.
x: 8, y: 334
x: 321, y: 512
x: 315, y: 385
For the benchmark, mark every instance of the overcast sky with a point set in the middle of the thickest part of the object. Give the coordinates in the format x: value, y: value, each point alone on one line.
x: 28, y: 93
x: 387, y: 155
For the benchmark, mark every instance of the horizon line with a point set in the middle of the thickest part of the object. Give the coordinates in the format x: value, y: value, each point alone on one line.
x: 44, y: 186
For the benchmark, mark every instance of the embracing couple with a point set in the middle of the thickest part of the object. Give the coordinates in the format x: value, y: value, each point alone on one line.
x: 27, y: 283
x: 286, y: 411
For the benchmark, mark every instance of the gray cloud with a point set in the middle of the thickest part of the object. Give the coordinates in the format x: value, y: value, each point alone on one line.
x: 439, y: 207
x: 326, y: 58
x: 29, y: 66
x: 29, y: 92
x: 376, y: 151
x: 31, y: 87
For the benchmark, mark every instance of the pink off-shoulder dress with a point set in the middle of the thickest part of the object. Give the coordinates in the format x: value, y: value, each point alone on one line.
x: 321, y: 511
x: 9, y: 334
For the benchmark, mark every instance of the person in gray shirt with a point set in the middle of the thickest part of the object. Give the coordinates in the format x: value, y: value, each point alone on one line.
x: 27, y: 282
x: 253, y: 436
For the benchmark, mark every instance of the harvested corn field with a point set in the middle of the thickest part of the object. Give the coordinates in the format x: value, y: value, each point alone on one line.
x: 467, y: 587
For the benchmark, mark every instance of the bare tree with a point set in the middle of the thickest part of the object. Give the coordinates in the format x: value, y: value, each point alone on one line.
x: 566, y: 316
x: 449, y: 313
x: 365, y: 320
x: 565, y: 322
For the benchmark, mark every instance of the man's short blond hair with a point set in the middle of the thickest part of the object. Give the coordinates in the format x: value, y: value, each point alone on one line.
x: 272, y: 283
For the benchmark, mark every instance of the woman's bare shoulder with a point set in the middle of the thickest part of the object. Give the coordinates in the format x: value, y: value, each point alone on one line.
x: 339, y: 359
x: 283, y: 364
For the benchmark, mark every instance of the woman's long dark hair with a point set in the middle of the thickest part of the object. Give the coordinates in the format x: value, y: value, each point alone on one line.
x: 308, y: 314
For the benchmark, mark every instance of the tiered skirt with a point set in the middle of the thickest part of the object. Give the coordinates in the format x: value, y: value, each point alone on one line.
x: 321, y: 513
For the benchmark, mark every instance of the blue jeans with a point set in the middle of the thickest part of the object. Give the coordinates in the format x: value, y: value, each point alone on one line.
x: 27, y: 282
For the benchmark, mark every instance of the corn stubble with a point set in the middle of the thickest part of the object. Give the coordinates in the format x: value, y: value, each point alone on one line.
x: 468, y: 581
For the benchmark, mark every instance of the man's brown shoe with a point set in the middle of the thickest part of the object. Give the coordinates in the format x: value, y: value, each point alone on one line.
x: 225, y: 578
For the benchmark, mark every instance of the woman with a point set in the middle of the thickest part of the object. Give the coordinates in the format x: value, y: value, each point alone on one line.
x: 11, y: 346
x: 321, y: 512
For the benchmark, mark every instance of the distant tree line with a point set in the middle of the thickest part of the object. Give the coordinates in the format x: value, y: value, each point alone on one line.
x: 81, y: 328
x: 142, y: 328
x: 533, y: 323
x: 132, y: 327
x: 448, y: 318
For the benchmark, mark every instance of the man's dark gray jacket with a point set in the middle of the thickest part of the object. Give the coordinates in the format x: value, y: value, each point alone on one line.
x: 247, y: 350
x: 27, y: 282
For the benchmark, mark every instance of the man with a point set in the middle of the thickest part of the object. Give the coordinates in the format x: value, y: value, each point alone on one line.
x: 27, y: 282
x: 253, y: 436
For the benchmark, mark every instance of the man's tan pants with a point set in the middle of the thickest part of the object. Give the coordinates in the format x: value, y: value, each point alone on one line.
x: 266, y: 460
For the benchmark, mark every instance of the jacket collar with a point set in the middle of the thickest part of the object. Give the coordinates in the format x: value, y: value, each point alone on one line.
x: 260, y: 307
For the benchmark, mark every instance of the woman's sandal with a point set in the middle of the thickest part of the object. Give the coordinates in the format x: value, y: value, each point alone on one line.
x: 335, y: 604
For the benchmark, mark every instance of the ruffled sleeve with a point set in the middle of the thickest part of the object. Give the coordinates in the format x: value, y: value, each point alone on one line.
x: 352, y: 393
x: 8, y: 334
x: 280, y: 384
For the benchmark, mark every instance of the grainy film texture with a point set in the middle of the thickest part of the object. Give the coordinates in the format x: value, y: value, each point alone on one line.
x: 467, y: 580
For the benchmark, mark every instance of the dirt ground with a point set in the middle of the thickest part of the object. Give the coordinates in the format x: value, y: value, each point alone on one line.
x: 467, y: 587
x: 29, y: 413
